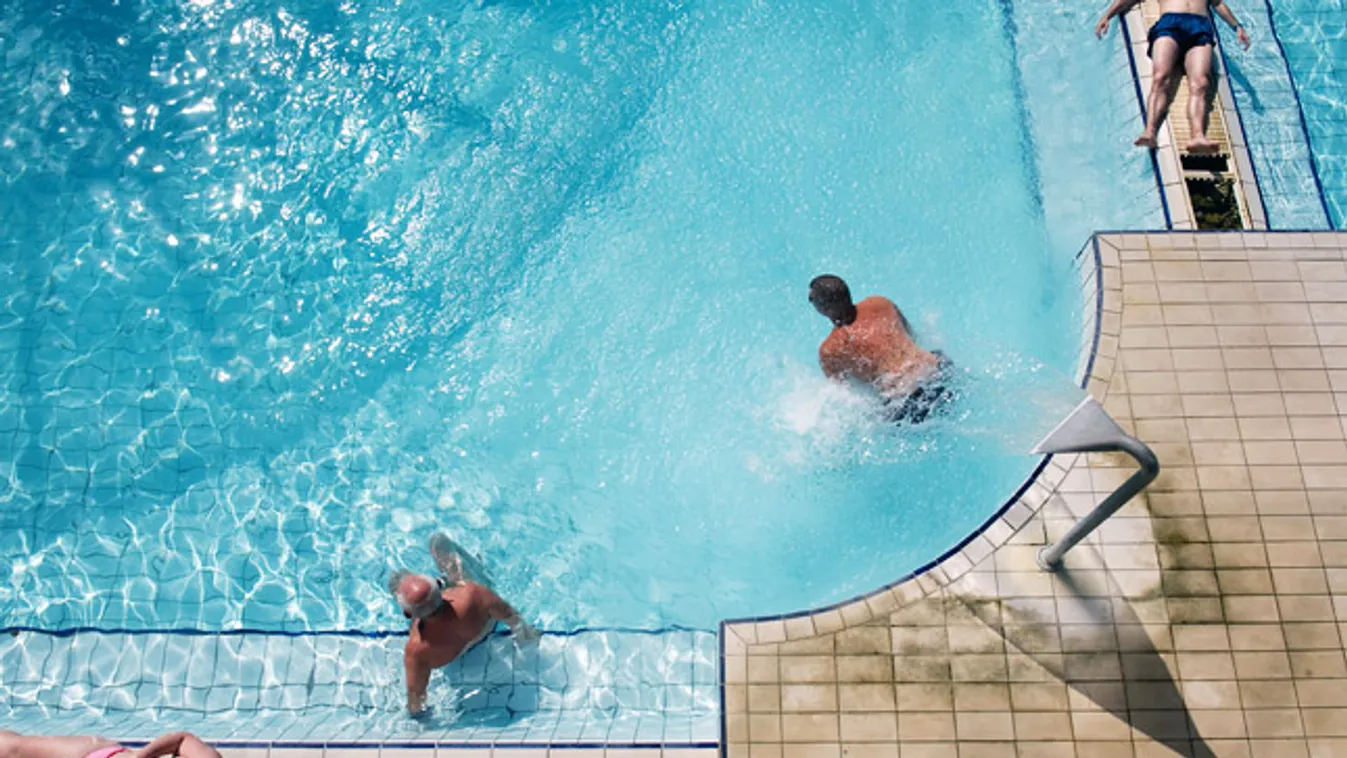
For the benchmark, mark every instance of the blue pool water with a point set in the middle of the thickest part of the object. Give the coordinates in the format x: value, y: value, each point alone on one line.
x: 292, y: 286
x: 1292, y: 92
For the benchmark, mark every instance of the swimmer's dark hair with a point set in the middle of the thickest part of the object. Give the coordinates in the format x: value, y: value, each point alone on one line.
x: 831, y: 297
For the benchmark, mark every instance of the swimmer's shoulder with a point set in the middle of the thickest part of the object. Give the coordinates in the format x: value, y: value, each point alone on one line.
x: 876, y: 305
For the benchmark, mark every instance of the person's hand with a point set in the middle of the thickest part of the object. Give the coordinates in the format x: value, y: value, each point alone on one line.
x: 1101, y: 28
x: 1243, y: 37
x: 525, y: 634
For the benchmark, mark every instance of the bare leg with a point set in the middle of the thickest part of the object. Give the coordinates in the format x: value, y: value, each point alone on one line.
x: 457, y: 564
x: 1164, y: 79
x: 1197, y: 64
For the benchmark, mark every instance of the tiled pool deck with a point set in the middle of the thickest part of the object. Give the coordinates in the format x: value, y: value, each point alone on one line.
x: 1206, y: 618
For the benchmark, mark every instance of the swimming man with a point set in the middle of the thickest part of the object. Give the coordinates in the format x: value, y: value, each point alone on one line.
x: 871, y: 342
x: 449, y: 616
x: 1183, y: 37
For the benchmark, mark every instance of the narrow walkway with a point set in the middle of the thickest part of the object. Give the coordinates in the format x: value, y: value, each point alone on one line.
x: 1232, y: 161
x: 1206, y: 619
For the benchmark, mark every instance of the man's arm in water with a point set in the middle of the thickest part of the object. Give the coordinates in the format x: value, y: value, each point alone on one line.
x: 834, y: 366
x: 418, y: 679
x: 907, y: 327
x: 499, y: 610
x: 1117, y: 8
x: 1224, y: 12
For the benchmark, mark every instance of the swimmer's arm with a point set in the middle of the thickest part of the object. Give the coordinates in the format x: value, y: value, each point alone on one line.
x: 903, y: 320
x: 833, y: 366
x: 499, y: 610
x: 1228, y: 16
x: 178, y: 743
x: 418, y: 679
x: 1117, y: 8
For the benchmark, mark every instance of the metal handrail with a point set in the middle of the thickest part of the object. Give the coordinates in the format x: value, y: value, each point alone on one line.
x: 1089, y: 429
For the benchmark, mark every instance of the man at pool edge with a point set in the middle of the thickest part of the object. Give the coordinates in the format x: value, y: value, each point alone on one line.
x: 449, y: 616
x: 871, y: 342
x: 1183, y: 35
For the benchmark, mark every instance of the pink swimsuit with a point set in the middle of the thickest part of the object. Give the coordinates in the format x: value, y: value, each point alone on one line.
x: 107, y: 752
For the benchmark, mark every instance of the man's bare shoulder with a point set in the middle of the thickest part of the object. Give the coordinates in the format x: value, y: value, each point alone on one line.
x: 876, y: 303
x: 832, y: 344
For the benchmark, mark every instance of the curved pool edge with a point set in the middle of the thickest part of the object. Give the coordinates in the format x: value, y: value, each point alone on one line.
x: 1099, y: 274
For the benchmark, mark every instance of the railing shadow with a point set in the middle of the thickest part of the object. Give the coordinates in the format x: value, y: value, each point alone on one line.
x: 1108, y: 659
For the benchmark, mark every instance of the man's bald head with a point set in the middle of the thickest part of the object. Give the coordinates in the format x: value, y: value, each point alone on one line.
x: 419, y: 595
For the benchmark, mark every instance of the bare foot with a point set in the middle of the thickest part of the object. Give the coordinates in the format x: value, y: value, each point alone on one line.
x: 1145, y: 140
x: 1202, y: 146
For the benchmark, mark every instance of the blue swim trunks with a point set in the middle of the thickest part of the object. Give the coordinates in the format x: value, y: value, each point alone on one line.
x: 1188, y: 29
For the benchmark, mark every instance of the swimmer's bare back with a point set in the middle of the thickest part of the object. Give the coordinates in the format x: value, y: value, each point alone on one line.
x: 877, y: 349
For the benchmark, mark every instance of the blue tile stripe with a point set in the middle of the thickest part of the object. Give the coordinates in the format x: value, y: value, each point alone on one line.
x: 1243, y: 131
x: 1029, y: 150
x: 1300, y: 112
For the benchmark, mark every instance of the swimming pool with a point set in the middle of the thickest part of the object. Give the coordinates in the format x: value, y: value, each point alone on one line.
x: 298, y: 285
x: 1292, y: 92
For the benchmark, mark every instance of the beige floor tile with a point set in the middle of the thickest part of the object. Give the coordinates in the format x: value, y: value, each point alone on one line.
x: 1328, y: 748
x: 920, y: 640
x: 864, y: 640
x: 816, y: 750
x: 1090, y: 727
x: 987, y: 750
x: 1324, y: 722
x: 1274, y: 723
x: 870, y: 750
x: 764, y: 727
x: 928, y: 750
x: 924, y: 697
x: 869, y: 727
x: 812, y: 668
x: 763, y: 669
x: 1206, y: 665
x: 1223, y: 748
x: 984, y: 726
x: 1058, y: 749
x: 1045, y: 696
x: 981, y: 697
x: 979, y: 668
x: 809, y: 727
x: 761, y: 698
x: 866, y: 697
x: 1204, y: 695
x: 1042, y: 726
x: 864, y: 668
x: 925, y: 727
x: 808, y: 697
x: 1318, y: 664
